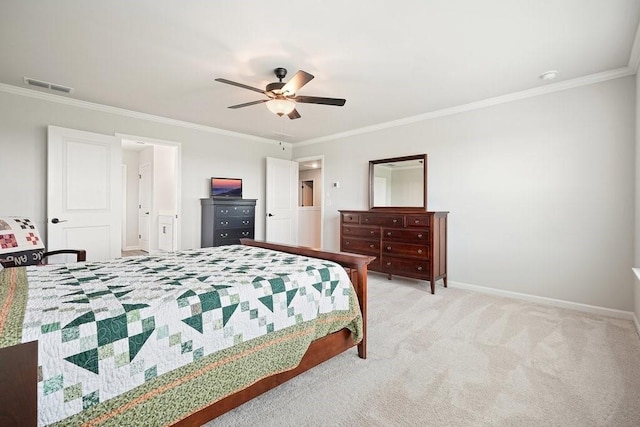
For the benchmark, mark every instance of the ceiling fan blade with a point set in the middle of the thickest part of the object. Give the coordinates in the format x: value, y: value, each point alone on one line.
x: 246, y: 104
x: 229, y: 82
x: 299, y: 79
x: 319, y: 100
x: 294, y: 114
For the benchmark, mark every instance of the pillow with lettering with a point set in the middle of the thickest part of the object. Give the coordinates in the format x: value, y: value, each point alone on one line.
x: 20, y: 241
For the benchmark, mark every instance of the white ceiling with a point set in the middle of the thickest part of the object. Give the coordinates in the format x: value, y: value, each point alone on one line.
x: 390, y: 60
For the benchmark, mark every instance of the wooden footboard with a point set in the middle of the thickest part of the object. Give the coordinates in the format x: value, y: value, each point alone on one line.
x: 319, y: 351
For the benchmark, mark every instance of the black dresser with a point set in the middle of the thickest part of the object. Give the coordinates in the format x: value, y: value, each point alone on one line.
x: 226, y: 220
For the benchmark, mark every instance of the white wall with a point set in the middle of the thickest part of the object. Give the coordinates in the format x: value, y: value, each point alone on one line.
x: 540, y: 190
x: 23, y: 139
x: 406, y: 187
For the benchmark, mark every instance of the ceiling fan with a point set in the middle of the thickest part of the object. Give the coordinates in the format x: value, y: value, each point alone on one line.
x: 281, y: 97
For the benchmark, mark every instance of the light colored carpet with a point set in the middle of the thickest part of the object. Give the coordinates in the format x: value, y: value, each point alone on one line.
x: 459, y: 358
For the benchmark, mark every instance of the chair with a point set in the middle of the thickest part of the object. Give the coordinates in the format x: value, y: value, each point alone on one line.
x: 21, y: 245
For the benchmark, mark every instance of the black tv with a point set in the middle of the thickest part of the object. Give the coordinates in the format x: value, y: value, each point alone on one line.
x: 226, y: 187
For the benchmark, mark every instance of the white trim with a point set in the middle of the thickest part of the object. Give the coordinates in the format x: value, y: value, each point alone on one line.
x: 635, y: 320
x: 529, y: 93
x: 131, y: 248
x: 30, y: 93
x: 634, y: 58
x: 586, y: 308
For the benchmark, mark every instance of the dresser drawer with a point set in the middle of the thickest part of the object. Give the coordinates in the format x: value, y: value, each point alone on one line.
x: 360, y: 231
x: 368, y: 247
x: 417, y: 220
x: 406, y: 235
x: 351, y: 218
x: 234, y: 222
x: 231, y: 237
x: 384, y: 220
x: 405, y: 267
x: 234, y: 211
x: 405, y: 250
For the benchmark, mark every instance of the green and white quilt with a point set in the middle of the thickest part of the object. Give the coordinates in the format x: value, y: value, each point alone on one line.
x: 105, y: 328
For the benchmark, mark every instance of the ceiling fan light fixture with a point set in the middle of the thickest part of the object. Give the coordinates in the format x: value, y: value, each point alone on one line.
x: 281, y: 106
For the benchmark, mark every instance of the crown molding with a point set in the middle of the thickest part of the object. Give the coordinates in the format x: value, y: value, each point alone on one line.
x: 634, y: 58
x: 30, y: 93
x: 529, y: 93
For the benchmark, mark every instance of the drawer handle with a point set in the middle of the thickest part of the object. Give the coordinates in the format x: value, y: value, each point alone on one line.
x: 246, y: 211
x: 224, y: 210
x: 366, y: 220
x: 389, y: 248
x: 388, y: 233
x: 348, y: 230
x: 347, y: 242
x: 372, y: 232
x: 349, y: 218
x: 419, y: 251
x: 420, y: 236
x: 388, y: 263
x: 224, y: 222
x: 371, y: 246
x: 245, y: 233
x: 419, y: 268
x: 395, y: 220
x: 245, y: 222
x: 417, y: 221
x: 224, y: 234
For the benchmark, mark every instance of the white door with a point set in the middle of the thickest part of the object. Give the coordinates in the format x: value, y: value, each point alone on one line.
x: 144, y: 206
x: 282, y: 201
x: 83, y: 193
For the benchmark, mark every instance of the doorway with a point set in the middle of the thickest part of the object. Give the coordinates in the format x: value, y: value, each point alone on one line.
x: 151, y: 209
x: 310, y: 201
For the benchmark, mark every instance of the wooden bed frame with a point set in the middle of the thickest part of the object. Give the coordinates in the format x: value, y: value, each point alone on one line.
x: 18, y: 364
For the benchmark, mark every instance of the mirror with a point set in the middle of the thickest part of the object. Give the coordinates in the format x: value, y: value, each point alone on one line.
x: 399, y: 182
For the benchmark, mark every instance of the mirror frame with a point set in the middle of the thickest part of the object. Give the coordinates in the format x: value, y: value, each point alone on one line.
x: 372, y: 163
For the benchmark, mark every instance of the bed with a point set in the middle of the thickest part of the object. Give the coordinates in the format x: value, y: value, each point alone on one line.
x: 212, y: 329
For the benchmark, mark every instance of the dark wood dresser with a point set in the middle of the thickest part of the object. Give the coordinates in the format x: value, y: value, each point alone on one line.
x: 226, y: 220
x: 408, y: 243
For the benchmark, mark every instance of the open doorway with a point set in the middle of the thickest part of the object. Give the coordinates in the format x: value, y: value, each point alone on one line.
x: 310, y: 201
x: 151, y: 195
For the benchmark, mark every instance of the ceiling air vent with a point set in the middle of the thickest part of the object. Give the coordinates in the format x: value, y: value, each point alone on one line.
x: 47, y: 85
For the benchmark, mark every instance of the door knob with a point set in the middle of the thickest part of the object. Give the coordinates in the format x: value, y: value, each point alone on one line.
x: 56, y: 220
x: 270, y: 214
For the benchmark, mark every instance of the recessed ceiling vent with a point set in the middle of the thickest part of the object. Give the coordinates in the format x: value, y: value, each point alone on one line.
x: 47, y: 85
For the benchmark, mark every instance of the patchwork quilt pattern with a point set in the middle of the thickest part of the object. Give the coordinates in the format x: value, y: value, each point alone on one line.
x: 105, y: 328
x: 20, y: 241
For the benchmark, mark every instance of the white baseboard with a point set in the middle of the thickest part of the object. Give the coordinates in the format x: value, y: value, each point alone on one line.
x: 635, y: 320
x: 621, y: 314
x: 131, y: 248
